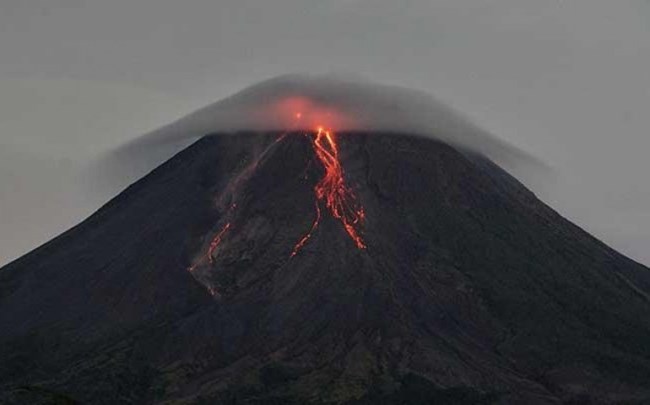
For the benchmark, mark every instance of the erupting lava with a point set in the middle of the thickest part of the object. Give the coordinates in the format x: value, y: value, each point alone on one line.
x: 213, y: 246
x: 216, y: 241
x: 331, y: 194
x: 331, y: 189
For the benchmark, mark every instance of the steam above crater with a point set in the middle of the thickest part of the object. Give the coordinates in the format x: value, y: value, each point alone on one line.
x: 341, y: 103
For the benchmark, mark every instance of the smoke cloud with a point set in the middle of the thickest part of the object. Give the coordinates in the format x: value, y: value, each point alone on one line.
x: 339, y: 102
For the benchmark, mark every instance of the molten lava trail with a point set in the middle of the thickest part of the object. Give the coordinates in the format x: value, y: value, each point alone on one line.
x: 207, y: 258
x: 216, y: 241
x: 214, y: 244
x: 305, y: 238
x: 332, y: 191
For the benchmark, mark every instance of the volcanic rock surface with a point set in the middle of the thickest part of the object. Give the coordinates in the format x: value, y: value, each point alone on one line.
x: 468, y: 289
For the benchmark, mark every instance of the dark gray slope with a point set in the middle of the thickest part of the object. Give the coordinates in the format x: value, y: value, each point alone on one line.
x: 471, y: 290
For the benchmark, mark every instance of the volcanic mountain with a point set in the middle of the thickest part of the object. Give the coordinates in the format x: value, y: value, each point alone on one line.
x: 320, y: 267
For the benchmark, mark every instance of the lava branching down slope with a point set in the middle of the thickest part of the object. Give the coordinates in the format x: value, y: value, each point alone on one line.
x: 470, y: 291
x: 331, y: 194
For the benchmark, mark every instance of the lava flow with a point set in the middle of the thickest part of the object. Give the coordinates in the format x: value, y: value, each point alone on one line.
x: 213, y: 246
x: 230, y: 189
x: 333, y: 192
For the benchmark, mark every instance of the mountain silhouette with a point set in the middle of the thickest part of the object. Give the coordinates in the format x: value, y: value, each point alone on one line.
x: 223, y: 276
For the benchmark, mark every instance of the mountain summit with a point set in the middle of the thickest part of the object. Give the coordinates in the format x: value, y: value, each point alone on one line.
x: 313, y: 267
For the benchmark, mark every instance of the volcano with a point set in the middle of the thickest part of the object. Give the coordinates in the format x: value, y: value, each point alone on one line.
x: 318, y: 267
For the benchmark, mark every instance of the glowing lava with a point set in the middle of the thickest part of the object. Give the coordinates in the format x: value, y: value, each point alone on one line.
x: 333, y: 192
x: 305, y: 238
x: 216, y: 241
x: 214, y: 244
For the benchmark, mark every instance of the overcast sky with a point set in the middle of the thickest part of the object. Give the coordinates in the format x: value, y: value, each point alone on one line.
x: 567, y: 80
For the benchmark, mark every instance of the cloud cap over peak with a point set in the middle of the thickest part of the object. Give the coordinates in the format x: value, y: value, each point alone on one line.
x: 342, y: 102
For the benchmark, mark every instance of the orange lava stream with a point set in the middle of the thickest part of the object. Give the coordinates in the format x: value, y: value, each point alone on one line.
x: 305, y: 238
x: 213, y: 246
x: 332, y: 190
x: 216, y: 241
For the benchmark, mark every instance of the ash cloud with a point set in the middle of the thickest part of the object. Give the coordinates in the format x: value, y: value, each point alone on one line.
x: 341, y: 102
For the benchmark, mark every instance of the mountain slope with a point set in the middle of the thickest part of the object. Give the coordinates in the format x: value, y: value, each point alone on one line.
x: 470, y: 290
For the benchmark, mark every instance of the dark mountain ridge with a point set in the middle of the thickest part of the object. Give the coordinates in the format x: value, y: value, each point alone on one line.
x: 470, y: 289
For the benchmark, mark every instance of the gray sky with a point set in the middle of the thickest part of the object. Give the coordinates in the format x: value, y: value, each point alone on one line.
x: 567, y: 80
